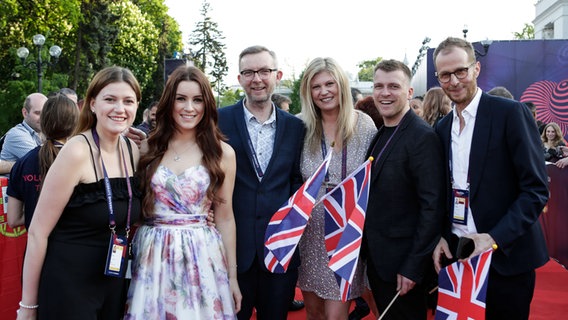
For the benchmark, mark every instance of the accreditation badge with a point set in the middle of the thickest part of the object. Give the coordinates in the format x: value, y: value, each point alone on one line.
x: 460, y: 206
x: 117, y: 256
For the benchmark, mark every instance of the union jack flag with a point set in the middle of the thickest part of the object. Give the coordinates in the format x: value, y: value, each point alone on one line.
x: 344, y: 209
x: 462, y: 289
x: 288, y: 224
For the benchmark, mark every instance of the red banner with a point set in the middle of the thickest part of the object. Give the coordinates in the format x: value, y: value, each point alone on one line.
x: 554, y: 218
x: 12, y: 247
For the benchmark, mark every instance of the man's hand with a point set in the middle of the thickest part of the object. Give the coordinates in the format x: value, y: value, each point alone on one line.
x: 211, y: 218
x: 403, y: 284
x: 442, y: 250
x: 562, y: 163
x: 483, y: 242
x: 136, y: 135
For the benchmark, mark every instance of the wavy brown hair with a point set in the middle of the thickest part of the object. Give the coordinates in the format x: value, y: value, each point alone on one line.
x: 58, y: 121
x: 208, y: 136
x: 434, y: 101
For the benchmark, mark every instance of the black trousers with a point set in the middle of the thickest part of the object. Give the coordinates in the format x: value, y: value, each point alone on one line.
x: 411, y: 306
x: 269, y: 293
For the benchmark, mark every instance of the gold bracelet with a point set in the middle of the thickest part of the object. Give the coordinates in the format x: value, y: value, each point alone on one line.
x: 25, y: 306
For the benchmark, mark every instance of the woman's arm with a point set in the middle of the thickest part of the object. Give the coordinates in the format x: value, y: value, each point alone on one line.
x: 64, y: 174
x: 225, y: 219
x: 15, y: 212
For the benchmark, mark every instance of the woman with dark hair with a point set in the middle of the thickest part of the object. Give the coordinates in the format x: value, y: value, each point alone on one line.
x: 77, y: 241
x: 182, y: 267
x: 58, y: 120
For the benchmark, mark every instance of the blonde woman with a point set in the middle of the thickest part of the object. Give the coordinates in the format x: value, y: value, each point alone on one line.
x: 552, y: 139
x: 332, y: 125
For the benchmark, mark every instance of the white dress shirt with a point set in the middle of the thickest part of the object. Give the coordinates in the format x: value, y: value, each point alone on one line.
x: 460, y: 149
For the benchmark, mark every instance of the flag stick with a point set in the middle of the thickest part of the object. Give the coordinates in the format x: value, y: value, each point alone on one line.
x: 433, y: 290
x: 390, y: 304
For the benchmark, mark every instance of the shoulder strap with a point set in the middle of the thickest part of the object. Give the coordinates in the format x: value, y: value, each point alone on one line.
x: 129, y: 145
x: 92, y: 157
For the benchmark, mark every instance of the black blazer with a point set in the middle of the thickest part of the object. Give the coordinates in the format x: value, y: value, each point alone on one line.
x: 405, y: 209
x: 254, y: 201
x: 508, y: 182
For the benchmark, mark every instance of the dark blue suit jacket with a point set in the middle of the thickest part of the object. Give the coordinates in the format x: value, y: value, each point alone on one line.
x: 508, y: 182
x: 254, y: 201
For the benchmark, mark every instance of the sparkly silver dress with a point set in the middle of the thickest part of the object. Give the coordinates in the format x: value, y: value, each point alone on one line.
x: 314, y: 274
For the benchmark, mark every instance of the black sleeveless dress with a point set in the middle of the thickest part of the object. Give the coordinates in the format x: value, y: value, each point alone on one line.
x: 72, y: 283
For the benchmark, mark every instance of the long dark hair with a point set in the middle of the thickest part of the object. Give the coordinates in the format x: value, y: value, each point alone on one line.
x: 58, y: 121
x: 208, y: 136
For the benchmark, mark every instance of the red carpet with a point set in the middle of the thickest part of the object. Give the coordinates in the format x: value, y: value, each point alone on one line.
x: 550, y: 297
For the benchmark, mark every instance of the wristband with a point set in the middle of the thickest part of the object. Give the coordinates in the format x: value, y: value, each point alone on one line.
x: 27, y: 307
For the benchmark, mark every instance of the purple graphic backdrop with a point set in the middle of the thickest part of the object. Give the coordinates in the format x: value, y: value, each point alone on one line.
x: 532, y: 70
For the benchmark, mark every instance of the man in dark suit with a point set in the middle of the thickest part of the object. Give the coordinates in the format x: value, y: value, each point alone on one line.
x: 404, y: 214
x: 268, y: 144
x: 496, y: 167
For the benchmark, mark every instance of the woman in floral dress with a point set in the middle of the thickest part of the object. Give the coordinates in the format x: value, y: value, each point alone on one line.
x: 183, y: 268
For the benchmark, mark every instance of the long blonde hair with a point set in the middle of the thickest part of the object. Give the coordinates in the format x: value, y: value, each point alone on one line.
x: 311, y: 114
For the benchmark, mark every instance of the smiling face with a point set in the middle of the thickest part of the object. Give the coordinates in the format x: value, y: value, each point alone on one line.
x: 460, y: 91
x: 325, y: 92
x: 550, y: 133
x: 258, y: 90
x: 391, y: 93
x: 115, y: 107
x: 188, y: 107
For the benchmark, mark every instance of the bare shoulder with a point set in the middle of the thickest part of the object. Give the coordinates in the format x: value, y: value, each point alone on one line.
x: 74, y: 159
x: 228, y: 151
x: 76, y: 149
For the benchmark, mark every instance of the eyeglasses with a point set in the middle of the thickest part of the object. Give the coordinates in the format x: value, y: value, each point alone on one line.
x: 262, y: 73
x: 459, y: 73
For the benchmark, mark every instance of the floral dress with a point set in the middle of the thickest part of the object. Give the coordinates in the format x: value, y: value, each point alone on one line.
x: 179, y: 267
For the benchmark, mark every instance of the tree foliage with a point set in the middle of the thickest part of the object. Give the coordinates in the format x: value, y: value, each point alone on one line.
x: 208, y: 50
x: 93, y: 34
x: 296, y: 105
x: 130, y: 49
x: 231, y: 97
x: 366, y: 69
x: 526, y: 34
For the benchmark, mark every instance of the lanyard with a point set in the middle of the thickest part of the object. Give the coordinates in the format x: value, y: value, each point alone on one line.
x: 255, y: 161
x: 108, y: 189
x: 343, y: 161
x: 385, y: 146
x: 388, y: 141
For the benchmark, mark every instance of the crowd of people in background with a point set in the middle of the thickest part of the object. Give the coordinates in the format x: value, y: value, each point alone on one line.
x: 167, y: 219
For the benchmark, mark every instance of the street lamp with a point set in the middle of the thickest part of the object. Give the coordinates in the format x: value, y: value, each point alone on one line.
x: 485, y: 43
x: 23, y: 52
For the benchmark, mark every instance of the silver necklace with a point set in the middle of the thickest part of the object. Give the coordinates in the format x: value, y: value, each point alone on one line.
x: 177, y: 157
